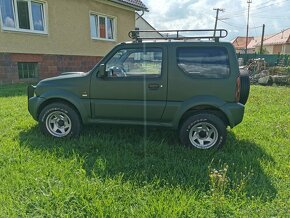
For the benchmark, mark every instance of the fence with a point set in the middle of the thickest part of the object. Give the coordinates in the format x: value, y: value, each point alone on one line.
x: 271, y: 59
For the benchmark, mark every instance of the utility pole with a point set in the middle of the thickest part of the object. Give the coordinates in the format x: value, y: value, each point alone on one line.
x: 262, y: 39
x: 216, y: 18
x: 249, y: 2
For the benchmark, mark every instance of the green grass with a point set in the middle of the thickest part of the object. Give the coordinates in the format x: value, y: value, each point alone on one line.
x: 125, y: 171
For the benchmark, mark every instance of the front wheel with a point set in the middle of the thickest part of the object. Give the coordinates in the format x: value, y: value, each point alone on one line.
x: 203, y: 131
x: 59, y: 120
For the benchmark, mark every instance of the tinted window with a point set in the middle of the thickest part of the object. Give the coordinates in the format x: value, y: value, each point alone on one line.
x: 204, y: 62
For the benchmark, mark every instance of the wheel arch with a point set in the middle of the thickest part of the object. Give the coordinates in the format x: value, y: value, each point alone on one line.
x: 81, y: 105
x: 200, y: 104
x: 58, y: 100
x: 204, y: 108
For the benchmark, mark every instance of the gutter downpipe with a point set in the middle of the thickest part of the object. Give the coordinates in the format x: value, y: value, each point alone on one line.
x: 139, y: 16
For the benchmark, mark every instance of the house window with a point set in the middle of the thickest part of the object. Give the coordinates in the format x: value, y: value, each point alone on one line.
x: 102, y: 27
x: 27, y: 70
x: 23, y: 15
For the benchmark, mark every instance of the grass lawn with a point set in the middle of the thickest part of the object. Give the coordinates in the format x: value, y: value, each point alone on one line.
x: 125, y: 171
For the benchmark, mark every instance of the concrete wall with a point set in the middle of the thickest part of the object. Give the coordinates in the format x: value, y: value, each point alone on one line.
x: 69, y: 30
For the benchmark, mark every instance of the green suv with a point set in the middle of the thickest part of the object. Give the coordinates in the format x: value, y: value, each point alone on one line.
x: 194, y: 87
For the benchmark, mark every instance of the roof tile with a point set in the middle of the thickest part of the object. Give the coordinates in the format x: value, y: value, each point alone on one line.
x: 135, y: 3
x: 279, y: 38
x: 240, y: 42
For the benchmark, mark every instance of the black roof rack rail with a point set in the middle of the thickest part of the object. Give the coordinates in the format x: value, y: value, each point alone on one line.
x: 211, y: 34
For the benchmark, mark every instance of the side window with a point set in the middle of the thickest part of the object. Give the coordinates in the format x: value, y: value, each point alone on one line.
x: 204, y: 62
x: 135, y: 63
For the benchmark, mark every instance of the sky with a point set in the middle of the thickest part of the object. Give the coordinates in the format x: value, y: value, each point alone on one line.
x: 199, y: 14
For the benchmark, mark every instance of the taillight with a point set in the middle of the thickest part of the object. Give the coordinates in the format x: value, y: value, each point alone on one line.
x: 238, y: 89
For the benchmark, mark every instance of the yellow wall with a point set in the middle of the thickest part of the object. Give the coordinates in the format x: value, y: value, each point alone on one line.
x: 69, y: 30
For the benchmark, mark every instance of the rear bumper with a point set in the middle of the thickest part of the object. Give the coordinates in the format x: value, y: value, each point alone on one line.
x: 234, y: 112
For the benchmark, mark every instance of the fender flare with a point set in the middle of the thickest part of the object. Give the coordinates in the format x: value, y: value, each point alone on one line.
x: 81, y: 105
x: 195, y: 102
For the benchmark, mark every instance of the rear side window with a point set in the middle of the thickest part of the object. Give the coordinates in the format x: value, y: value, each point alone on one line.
x: 204, y: 62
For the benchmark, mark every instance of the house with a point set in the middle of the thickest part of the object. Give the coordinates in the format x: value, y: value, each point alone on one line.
x: 278, y: 43
x: 254, y: 45
x: 143, y: 24
x: 41, y: 38
x: 240, y: 44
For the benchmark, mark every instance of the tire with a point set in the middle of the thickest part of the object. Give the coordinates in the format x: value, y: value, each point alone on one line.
x: 59, y: 120
x: 245, y: 88
x: 203, y: 131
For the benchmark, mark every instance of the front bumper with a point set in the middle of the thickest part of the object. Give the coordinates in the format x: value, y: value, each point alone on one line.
x: 30, y: 91
x: 34, y: 102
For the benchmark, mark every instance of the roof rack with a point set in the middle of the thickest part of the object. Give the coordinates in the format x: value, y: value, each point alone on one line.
x: 210, y: 34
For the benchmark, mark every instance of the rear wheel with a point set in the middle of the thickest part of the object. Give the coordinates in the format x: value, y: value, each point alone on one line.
x: 59, y: 120
x: 203, y: 131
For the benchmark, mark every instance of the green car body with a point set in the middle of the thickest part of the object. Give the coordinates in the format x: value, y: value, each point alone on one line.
x: 166, y: 99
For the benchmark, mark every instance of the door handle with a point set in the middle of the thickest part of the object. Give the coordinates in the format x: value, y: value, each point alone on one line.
x: 154, y: 86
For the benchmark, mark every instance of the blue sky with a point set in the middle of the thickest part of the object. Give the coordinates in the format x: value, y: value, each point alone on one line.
x: 199, y: 14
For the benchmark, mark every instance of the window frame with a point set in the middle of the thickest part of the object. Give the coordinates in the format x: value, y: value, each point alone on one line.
x: 203, y: 77
x: 16, y: 21
x: 107, y: 17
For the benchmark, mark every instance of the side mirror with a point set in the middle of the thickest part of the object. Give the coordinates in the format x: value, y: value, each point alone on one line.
x: 102, y: 71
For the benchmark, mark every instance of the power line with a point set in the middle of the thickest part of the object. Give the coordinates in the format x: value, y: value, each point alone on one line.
x: 256, y: 7
x: 230, y: 24
x: 254, y: 14
x: 272, y: 18
x: 255, y: 27
x: 271, y: 4
x: 242, y: 12
x: 252, y: 20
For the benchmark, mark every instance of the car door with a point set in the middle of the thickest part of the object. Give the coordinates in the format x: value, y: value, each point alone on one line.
x: 135, y: 87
